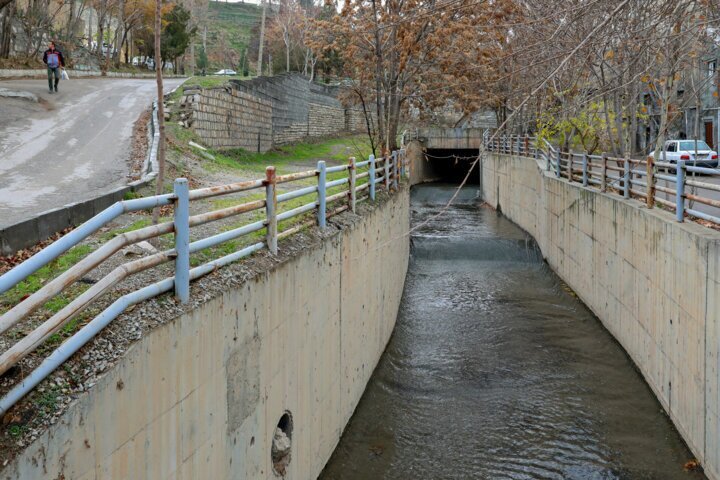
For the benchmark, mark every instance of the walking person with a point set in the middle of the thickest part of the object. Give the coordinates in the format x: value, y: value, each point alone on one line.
x: 54, y: 60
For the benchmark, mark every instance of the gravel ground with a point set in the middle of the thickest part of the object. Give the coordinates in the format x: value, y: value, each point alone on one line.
x: 43, y: 407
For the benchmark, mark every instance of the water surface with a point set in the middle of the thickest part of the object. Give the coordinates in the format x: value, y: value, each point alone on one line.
x: 496, y: 371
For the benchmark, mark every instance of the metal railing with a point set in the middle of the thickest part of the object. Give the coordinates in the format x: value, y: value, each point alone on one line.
x: 676, y: 189
x: 382, y: 173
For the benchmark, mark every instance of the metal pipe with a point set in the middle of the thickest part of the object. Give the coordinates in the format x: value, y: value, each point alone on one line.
x: 95, y: 258
x: 704, y: 185
x: 707, y: 171
x: 626, y: 179
x: 182, y: 240
x: 706, y: 201
x: 371, y: 177
x: 336, y: 183
x: 35, y: 338
x: 296, y: 193
x: 76, y: 272
x: 270, y: 209
x: 322, y: 193
x: 704, y: 216
x: 679, y: 191
x: 85, y: 334
x: 223, y: 237
x: 296, y: 211
x: 62, y: 245
x: 352, y: 180
x: 210, y: 192
x: 585, y: 170
x: 338, y: 196
x: 291, y: 177
x: 338, y: 168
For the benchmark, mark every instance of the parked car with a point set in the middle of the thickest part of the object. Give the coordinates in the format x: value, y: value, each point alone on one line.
x: 685, y: 150
x: 226, y: 72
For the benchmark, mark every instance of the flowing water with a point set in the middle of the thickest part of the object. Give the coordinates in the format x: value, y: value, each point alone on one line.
x: 496, y: 371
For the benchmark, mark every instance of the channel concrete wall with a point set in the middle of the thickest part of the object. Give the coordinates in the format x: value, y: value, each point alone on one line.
x: 653, y: 282
x: 201, y: 396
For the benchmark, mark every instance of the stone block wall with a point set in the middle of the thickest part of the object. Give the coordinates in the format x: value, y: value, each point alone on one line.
x: 280, y: 110
x: 325, y: 120
x: 229, y: 118
x: 355, y: 120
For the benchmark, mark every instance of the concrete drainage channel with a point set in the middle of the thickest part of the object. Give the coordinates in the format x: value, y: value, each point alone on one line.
x: 43, y: 225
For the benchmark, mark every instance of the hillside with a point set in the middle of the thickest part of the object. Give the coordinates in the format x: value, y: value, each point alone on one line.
x: 230, y: 27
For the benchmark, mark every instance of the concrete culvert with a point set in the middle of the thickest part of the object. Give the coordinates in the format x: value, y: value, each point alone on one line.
x: 282, y: 445
x: 451, y: 165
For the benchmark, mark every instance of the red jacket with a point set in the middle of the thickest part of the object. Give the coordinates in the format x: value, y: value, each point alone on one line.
x: 57, y: 52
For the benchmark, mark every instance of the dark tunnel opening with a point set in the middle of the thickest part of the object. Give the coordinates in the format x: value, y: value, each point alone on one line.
x: 452, y: 165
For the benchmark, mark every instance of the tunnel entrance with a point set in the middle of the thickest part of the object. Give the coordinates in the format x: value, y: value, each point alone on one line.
x: 452, y: 165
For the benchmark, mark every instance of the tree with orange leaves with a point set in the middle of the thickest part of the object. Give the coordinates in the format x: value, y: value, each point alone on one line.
x: 417, y: 53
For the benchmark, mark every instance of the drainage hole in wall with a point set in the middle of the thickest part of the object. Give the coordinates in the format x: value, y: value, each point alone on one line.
x: 281, y: 444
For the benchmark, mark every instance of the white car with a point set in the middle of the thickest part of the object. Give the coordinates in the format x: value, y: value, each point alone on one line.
x: 685, y: 150
x: 226, y: 72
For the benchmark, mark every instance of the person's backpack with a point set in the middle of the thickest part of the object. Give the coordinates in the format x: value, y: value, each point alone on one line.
x: 53, y: 60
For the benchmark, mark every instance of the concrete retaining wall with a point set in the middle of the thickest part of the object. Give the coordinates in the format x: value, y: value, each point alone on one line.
x: 44, y: 225
x: 273, y: 111
x: 201, y: 396
x: 229, y: 118
x: 653, y: 282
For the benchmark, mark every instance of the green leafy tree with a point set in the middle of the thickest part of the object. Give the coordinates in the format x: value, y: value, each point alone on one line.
x: 177, y: 33
x: 202, y: 62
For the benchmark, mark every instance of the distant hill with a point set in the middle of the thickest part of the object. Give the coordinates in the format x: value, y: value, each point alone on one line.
x: 236, y: 22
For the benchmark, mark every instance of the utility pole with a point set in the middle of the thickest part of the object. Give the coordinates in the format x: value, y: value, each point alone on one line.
x: 262, y: 39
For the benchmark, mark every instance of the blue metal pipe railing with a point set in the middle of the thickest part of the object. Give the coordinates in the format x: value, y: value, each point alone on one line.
x: 623, y: 178
x: 62, y: 245
x: 181, y: 224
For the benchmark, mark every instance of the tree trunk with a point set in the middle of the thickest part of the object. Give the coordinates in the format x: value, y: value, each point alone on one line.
x: 90, y: 30
x: 287, y: 56
x: 192, y: 58
x: 69, y: 28
x: 262, y: 38
x: 6, y: 34
x: 160, y: 179
x: 378, y: 72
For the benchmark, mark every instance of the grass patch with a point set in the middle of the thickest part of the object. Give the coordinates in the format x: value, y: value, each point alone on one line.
x: 334, y: 151
x: 211, y: 81
x: 36, y: 281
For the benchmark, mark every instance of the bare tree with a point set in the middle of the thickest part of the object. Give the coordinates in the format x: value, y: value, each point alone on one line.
x: 160, y: 180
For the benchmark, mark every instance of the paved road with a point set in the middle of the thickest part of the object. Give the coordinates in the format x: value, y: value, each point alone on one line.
x: 73, y: 146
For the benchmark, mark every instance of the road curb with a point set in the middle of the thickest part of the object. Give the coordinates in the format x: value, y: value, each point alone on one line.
x: 43, y: 225
x: 8, y: 74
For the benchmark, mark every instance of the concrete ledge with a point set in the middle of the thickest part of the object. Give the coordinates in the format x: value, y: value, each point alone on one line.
x: 38, y: 228
x: 42, y: 73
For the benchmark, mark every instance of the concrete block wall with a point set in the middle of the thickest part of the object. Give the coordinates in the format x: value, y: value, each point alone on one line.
x: 229, y: 118
x: 201, y: 395
x: 325, y: 120
x: 355, y: 120
x: 282, y: 109
x: 654, y: 283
